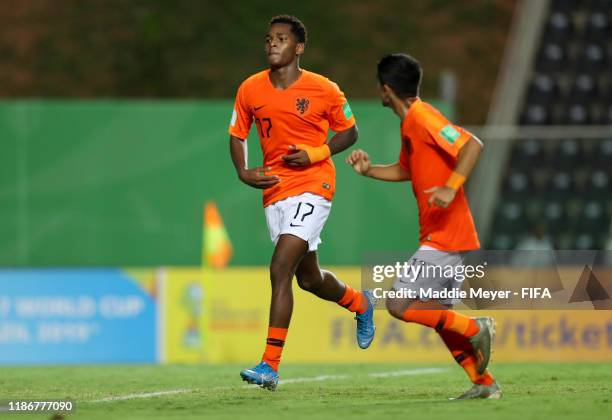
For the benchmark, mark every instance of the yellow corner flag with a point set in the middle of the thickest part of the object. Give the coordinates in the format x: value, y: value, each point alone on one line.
x: 217, y: 249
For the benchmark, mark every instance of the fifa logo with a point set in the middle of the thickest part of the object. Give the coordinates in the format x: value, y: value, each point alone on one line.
x: 301, y: 104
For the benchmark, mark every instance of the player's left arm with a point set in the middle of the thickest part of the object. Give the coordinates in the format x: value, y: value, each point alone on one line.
x: 343, y: 140
x: 468, y: 155
x: 304, y: 155
x: 341, y: 121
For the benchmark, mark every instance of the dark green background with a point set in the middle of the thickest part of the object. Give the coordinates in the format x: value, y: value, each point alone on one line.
x: 124, y: 182
x: 204, y: 49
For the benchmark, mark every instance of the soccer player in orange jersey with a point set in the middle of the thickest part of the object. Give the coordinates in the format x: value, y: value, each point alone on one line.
x: 437, y: 157
x: 293, y: 110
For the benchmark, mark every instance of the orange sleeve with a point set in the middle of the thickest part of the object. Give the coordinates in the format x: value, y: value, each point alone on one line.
x: 242, y: 118
x: 339, y: 113
x: 449, y: 137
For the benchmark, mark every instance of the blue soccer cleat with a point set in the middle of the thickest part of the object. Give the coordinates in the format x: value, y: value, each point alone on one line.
x: 365, y: 323
x: 262, y: 375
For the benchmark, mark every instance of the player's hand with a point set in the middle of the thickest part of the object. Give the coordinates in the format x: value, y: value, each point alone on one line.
x: 441, y: 196
x: 296, y: 157
x: 360, y: 161
x: 256, y: 178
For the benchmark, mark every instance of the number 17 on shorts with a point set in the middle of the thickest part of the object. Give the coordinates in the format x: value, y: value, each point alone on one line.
x: 303, y: 216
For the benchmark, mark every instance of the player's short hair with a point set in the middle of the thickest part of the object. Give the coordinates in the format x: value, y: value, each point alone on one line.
x: 297, y: 27
x: 402, y: 73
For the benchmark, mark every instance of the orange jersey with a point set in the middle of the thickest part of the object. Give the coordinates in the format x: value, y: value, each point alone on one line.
x: 430, y: 146
x: 299, y: 114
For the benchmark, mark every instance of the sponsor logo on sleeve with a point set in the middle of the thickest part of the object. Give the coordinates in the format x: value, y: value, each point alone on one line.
x: 449, y: 133
x: 348, y: 112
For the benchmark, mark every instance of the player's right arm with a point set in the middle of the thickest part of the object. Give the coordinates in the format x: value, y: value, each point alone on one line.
x: 361, y: 163
x: 255, y: 177
x: 239, y: 128
x: 242, y: 118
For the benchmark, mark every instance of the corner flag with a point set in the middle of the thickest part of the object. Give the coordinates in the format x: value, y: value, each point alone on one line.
x: 217, y: 248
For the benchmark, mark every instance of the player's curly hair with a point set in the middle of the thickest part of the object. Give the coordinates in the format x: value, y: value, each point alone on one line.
x: 402, y: 73
x: 297, y: 27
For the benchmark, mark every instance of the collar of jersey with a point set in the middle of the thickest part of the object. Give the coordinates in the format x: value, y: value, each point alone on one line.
x: 412, y: 111
x: 291, y: 86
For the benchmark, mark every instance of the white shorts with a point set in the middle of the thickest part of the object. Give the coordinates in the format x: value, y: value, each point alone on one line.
x: 303, y: 216
x: 430, y: 278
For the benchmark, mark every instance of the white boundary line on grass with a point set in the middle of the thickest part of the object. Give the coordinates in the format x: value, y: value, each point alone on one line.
x: 320, y: 378
x: 310, y: 379
x: 409, y: 372
x: 142, y: 395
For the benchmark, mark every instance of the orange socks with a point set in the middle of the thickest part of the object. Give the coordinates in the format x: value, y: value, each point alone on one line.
x: 353, y: 300
x: 455, y: 330
x: 469, y: 366
x: 274, y: 346
x: 461, y: 349
x: 442, y: 320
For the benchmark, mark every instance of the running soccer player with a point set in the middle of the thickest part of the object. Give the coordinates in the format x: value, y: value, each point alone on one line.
x: 293, y: 110
x: 437, y: 157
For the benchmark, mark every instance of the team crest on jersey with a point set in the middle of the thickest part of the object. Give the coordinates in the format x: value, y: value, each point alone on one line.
x: 301, y: 104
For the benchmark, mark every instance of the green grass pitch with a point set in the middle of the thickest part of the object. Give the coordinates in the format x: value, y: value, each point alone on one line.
x: 531, y: 391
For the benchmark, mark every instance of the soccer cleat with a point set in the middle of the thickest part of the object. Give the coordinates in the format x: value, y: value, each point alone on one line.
x: 491, y: 392
x: 365, y: 323
x: 482, y: 342
x: 262, y: 375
